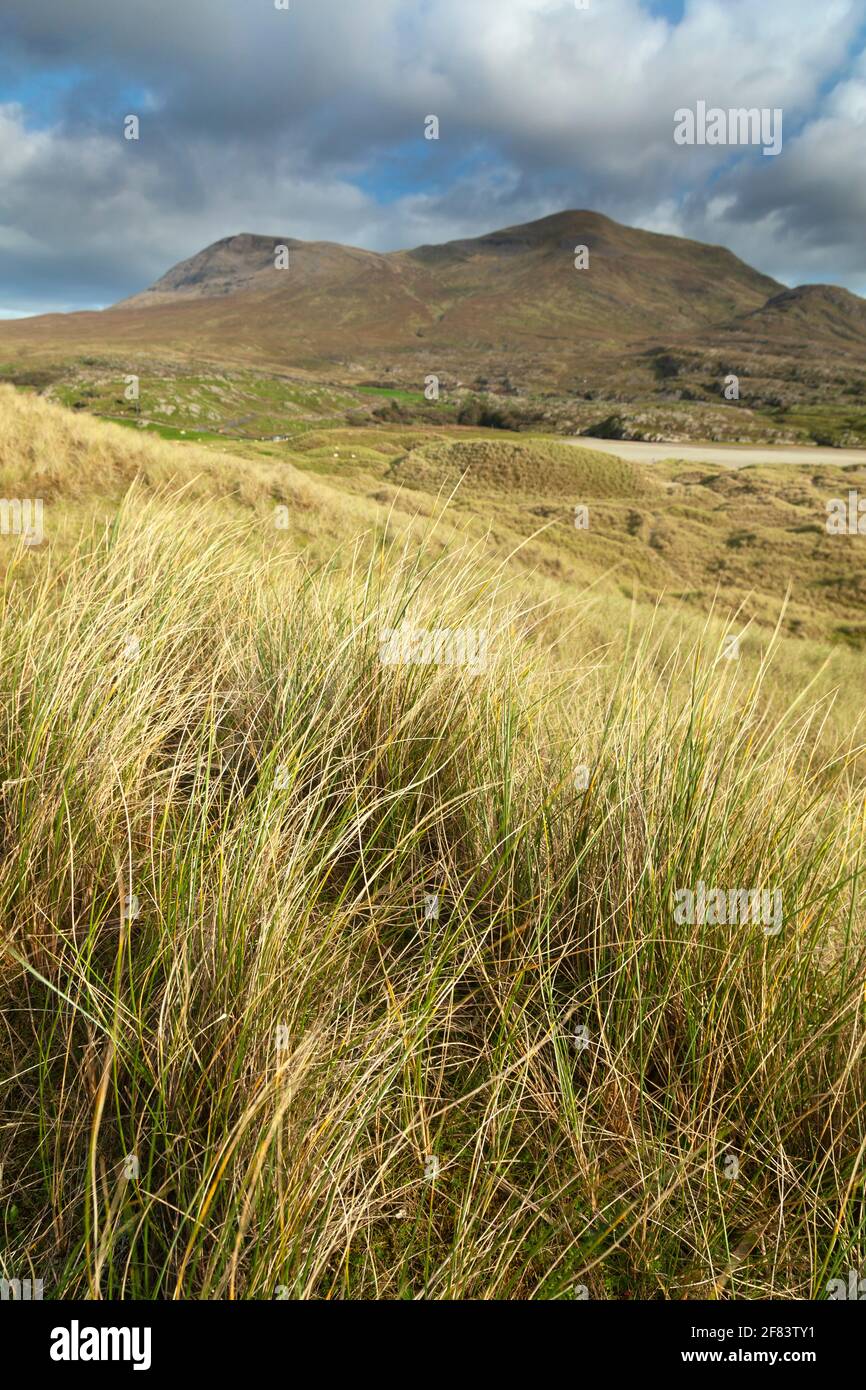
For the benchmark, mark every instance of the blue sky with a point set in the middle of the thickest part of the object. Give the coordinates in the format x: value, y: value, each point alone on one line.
x: 310, y: 122
x: 672, y: 10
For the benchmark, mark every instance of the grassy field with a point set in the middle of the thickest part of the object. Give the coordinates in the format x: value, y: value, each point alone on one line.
x: 177, y: 402
x: 325, y: 976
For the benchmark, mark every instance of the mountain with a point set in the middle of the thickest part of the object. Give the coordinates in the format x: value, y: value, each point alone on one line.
x: 508, y: 306
x: 826, y: 310
x: 637, y: 276
x: 245, y: 265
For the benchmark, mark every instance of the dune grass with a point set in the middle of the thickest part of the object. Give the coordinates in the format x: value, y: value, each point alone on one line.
x: 324, y: 977
x: 533, y: 468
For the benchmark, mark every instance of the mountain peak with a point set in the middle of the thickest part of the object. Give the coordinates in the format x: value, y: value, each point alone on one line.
x: 226, y: 267
x: 833, y: 296
x: 821, y: 311
x: 514, y: 302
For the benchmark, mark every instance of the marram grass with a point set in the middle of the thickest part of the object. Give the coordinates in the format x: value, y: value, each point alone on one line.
x: 323, y: 978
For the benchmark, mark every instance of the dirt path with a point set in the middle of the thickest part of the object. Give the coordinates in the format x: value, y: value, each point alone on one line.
x: 728, y: 455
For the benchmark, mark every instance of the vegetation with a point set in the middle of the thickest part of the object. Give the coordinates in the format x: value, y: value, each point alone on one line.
x: 517, y: 334
x: 324, y: 977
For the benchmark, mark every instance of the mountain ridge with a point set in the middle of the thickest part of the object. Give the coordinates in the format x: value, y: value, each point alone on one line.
x: 510, y: 304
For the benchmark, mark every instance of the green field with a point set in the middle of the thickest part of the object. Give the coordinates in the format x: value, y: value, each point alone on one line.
x: 246, y: 405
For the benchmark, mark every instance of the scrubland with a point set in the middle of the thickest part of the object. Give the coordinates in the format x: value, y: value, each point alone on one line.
x: 328, y: 978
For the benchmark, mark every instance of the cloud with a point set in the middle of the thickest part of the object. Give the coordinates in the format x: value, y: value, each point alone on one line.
x: 310, y: 123
x: 806, y: 212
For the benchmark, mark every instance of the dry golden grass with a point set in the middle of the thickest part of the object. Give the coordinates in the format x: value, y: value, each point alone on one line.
x: 224, y: 821
x: 537, y: 469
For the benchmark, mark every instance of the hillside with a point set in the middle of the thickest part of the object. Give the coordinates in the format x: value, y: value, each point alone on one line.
x: 330, y: 977
x: 515, y: 277
x: 509, y: 307
x: 827, y: 313
x: 245, y: 264
x: 753, y: 538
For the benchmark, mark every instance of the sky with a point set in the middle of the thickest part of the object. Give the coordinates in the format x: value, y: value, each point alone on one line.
x: 309, y: 122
